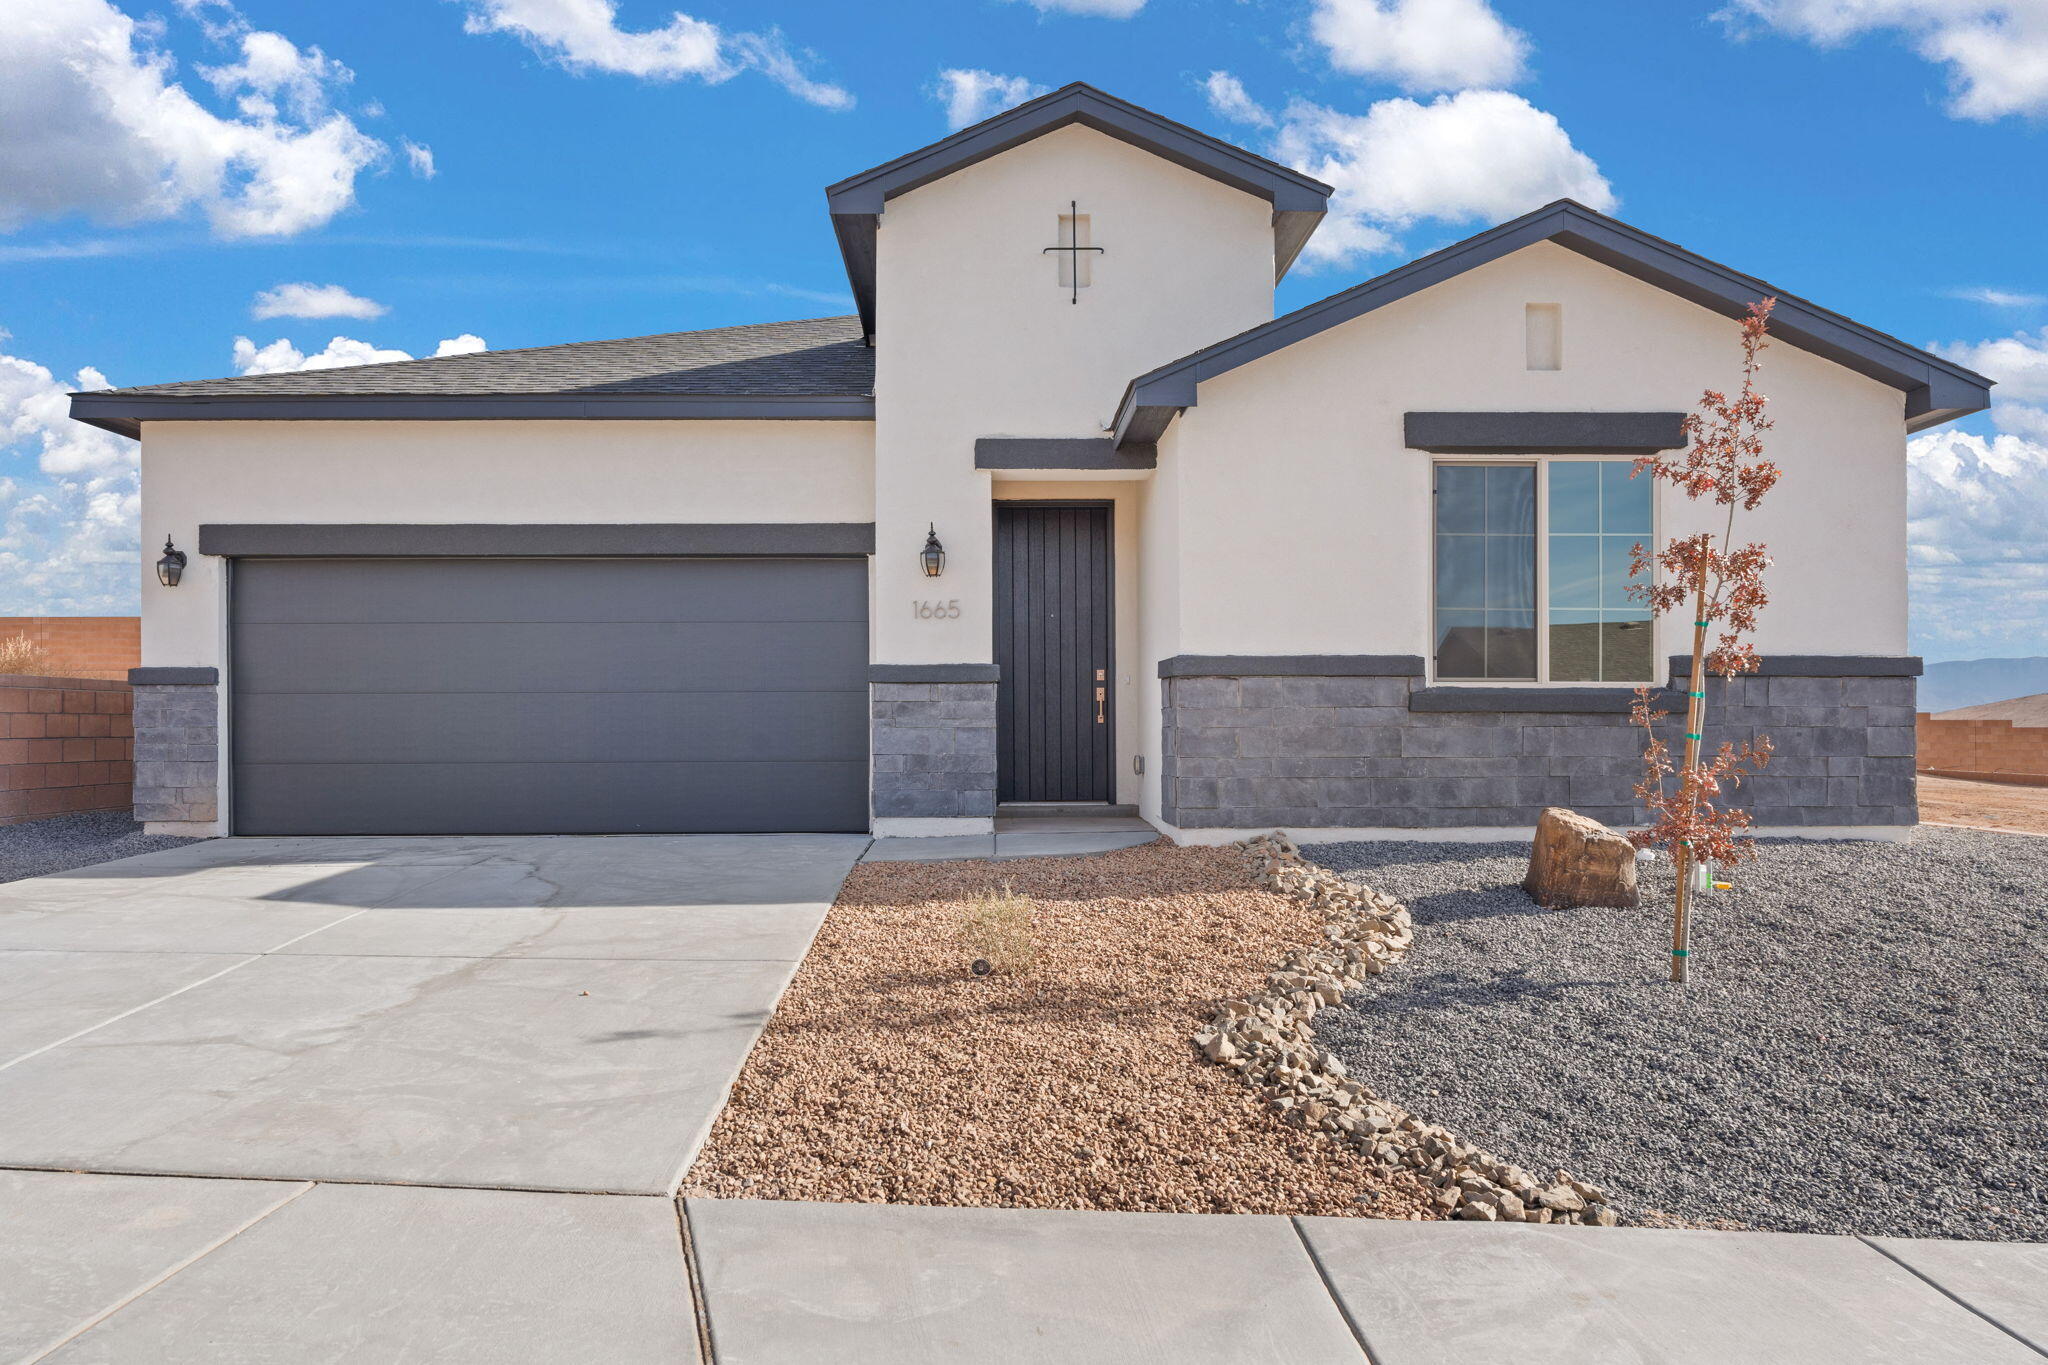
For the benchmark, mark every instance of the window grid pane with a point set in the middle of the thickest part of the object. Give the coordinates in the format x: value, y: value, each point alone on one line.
x: 1597, y: 514
x: 1486, y: 571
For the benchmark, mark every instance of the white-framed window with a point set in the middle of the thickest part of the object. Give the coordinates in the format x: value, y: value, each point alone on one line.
x: 1531, y: 560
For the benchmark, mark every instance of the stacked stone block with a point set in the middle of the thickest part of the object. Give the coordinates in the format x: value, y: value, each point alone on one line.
x: 177, y: 747
x: 1261, y: 752
x: 934, y: 749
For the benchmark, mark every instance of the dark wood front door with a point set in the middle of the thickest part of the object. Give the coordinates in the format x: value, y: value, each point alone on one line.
x: 1054, y: 633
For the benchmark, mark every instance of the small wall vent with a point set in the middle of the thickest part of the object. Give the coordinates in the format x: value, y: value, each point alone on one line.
x: 1543, y: 333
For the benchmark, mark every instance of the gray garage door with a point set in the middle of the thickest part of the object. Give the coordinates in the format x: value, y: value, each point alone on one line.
x: 573, y: 696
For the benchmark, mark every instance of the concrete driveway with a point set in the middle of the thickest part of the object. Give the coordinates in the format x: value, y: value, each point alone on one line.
x: 559, y: 1013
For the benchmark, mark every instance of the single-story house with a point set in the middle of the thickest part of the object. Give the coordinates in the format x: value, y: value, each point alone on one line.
x: 1062, y: 514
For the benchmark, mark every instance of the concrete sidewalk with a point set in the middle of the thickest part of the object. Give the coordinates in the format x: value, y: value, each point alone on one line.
x: 119, y: 1269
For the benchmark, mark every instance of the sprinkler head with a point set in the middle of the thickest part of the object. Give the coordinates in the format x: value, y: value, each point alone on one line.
x: 981, y: 967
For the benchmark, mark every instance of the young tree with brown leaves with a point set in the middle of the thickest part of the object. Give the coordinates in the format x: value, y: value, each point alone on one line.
x: 1723, y: 461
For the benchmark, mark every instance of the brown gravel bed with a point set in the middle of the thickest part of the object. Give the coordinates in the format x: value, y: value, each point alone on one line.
x: 890, y: 1074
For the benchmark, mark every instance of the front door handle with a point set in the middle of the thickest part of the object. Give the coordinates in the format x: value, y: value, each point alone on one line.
x: 1098, y: 705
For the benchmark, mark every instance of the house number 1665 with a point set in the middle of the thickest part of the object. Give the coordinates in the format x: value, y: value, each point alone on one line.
x: 936, y: 611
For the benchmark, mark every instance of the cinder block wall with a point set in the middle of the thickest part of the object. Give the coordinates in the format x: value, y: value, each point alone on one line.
x: 1993, y: 750
x: 82, y: 646
x: 66, y: 744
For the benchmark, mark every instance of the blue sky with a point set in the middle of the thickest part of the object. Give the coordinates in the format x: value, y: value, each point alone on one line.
x: 521, y: 172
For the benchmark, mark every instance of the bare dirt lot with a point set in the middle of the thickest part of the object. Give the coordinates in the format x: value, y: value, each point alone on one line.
x: 892, y: 1074
x: 1994, y: 805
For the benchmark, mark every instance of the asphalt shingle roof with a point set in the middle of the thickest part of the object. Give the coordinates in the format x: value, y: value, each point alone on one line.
x: 817, y: 356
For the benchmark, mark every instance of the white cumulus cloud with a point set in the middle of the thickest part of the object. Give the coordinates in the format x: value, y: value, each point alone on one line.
x: 1230, y: 100
x: 584, y: 35
x: 92, y: 122
x: 281, y: 356
x: 1476, y: 156
x: 274, y: 69
x: 1995, y: 52
x: 1421, y: 45
x: 419, y: 157
x: 1977, y: 543
x: 314, y: 301
x: 69, y: 501
x: 971, y: 95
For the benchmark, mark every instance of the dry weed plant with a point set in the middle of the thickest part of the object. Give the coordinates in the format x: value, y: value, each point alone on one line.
x: 19, y: 654
x: 995, y: 927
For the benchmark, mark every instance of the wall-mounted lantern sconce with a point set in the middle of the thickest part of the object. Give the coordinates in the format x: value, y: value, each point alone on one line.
x: 171, y: 567
x: 934, y: 554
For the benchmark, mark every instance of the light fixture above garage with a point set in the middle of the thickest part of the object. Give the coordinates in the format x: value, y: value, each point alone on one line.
x: 934, y: 554
x: 171, y: 567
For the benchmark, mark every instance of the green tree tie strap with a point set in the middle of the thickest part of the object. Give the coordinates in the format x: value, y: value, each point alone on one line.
x: 1701, y: 695
x: 1701, y: 738
x: 1680, y: 952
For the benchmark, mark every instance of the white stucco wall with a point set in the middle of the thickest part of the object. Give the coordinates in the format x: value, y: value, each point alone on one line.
x: 1158, y: 553
x: 977, y: 338
x: 518, y: 472
x: 1295, y: 462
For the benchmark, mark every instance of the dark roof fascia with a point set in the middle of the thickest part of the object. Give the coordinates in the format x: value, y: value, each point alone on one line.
x: 1299, y: 201
x: 123, y: 414
x: 1936, y: 390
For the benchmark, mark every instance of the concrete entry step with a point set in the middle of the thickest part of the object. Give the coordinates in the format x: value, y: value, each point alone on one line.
x: 1063, y: 810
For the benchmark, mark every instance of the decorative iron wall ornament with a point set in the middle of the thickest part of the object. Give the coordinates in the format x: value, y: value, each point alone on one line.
x: 1073, y: 248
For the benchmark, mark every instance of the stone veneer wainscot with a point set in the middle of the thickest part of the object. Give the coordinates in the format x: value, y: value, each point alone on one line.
x: 1362, y: 742
x: 933, y: 729
x: 177, y: 744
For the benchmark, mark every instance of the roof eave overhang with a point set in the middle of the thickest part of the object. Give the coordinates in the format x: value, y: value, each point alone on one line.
x: 124, y: 414
x: 856, y: 203
x: 1935, y: 390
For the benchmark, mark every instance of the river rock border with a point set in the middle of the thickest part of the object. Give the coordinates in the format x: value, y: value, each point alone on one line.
x: 1269, y: 1041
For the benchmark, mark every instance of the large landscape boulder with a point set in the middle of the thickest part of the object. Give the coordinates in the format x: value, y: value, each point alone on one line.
x: 1577, y: 861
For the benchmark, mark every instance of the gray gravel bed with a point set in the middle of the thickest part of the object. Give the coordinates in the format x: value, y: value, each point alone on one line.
x: 58, y: 843
x: 1863, y: 1047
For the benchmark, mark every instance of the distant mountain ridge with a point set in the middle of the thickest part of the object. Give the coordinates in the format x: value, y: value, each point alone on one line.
x: 2031, y: 711
x: 1973, y: 682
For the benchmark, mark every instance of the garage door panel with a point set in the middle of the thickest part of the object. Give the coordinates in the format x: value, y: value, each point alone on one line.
x: 545, y: 727
x: 549, y: 798
x: 571, y: 656
x: 431, y: 696
x: 380, y: 591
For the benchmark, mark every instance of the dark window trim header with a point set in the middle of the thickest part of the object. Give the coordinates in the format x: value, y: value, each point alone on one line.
x: 1543, y: 433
